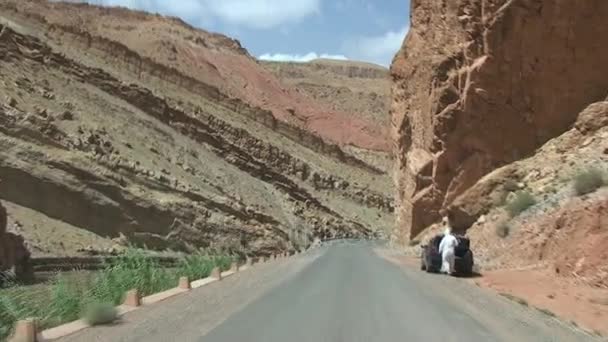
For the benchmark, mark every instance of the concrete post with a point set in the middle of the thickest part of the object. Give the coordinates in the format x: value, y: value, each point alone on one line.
x: 261, y: 260
x: 249, y: 262
x: 25, y: 331
x: 132, y: 298
x: 184, y: 283
x: 234, y: 267
x: 216, y: 273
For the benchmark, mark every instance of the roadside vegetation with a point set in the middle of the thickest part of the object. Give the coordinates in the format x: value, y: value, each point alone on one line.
x: 588, y: 181
x: 92, y: 296
x: 520, y: 203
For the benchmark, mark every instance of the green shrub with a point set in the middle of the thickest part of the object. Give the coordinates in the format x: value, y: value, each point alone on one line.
x: 520, y: 203
x: 97, y: 313
x: 223, y: 262
x: 196, y: 266
x: 134, y: 270
x: 53, y: 304
x: 587, y: 181
x: 66, y: 301
x: 503, y: 229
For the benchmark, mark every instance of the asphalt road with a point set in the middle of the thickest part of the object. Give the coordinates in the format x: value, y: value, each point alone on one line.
x: 351, y: 294
x: 341, y: 293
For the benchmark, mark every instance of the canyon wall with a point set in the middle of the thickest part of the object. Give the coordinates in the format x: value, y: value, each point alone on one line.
x: 478, y: 84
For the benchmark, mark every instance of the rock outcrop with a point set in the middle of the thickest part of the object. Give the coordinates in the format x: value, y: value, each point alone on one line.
x: 482, y: 83
x: 14, y: 256
x: 563, y: 232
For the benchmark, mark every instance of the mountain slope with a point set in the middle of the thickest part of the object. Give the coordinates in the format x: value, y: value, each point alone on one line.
x: 211, y: 58
x: 360, y: 89
x: 353, y: 87
x: 100, y: 141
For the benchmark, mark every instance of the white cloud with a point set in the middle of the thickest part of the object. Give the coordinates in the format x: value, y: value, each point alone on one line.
x: 263, y: 13
x: 377, y: 49
x: 282, y: 57
x: 259, y: 14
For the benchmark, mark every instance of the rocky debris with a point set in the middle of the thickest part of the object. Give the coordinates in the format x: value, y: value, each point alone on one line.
x: 542, y: 174
x: 93, y: 251
x: 477, y: 85
x: 67, y: 115
x: 95, y: 140
x: 12, y: 102
x: 14, y: 256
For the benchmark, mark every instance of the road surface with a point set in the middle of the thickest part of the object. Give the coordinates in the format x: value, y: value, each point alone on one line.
x: 344, y: 292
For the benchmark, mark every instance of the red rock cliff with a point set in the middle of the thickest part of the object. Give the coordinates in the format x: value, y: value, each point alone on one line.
x: 481, y: 83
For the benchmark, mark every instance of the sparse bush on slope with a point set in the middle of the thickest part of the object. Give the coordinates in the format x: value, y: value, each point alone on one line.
x: 588, y: 181
x: 520, y: 203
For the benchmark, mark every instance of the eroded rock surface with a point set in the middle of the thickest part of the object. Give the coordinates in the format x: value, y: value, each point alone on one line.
x: 14, y: 256
x: 481, y: 83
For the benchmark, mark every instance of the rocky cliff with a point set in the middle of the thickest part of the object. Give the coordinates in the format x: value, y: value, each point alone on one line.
x: 482, y: 83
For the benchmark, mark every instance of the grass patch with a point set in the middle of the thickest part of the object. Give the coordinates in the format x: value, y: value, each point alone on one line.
x: 588, y: 181
x: 88, y: 295
x: 520, y: 203
x: 503, y: 229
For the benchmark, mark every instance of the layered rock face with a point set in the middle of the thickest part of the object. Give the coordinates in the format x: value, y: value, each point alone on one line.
x: 481, y: 83
x: 101, y: 144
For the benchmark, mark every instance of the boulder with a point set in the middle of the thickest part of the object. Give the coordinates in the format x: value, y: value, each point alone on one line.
x: 478, y: 84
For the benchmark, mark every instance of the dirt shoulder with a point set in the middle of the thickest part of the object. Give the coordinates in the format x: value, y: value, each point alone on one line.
x: 568, y: 301
x: 584, y: 305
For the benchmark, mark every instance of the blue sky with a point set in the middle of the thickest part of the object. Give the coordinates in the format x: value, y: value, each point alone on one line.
x: 299, y: 30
